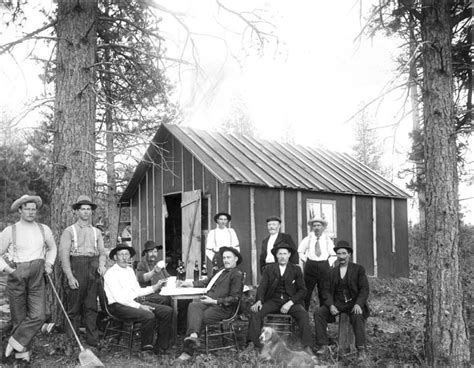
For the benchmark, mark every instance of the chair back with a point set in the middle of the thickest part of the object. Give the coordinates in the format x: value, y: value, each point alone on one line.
x: 237, y: 307
x: 103, y: 301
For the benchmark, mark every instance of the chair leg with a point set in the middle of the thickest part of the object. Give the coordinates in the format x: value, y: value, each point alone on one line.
x: 231, y: 327
x: 130, y: 340
x: 206, y: 339
x: 222, y: 336
x: 106, y: 329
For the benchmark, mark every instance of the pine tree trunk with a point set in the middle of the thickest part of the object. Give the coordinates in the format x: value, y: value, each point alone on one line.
x: 74, y: 118
x: 446, y: 342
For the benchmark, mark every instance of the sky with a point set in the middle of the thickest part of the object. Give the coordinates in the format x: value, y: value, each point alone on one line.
x: 306, y: 88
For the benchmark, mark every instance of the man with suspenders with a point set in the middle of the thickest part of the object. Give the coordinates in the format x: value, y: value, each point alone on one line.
x: 30, y: 252
x: 82, y: 255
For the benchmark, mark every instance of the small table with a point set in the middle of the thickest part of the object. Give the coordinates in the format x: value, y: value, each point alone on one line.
x: 176, y: 294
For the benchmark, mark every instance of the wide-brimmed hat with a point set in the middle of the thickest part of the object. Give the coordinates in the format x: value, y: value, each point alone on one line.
x: 318, y: 219
x: 26, y: 199
x: 273, y: 218
x: 121, y: 246
x: 83, y: 199
x: 233, y: 250
x: 342, y: 244
x: 283, y: 245
x: 150, y: 245
x: 217, y: 215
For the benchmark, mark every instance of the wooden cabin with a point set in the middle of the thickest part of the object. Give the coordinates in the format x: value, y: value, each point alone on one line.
x: 188, y: 175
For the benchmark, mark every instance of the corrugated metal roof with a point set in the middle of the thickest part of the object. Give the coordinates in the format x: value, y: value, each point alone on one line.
x: 244, y: 160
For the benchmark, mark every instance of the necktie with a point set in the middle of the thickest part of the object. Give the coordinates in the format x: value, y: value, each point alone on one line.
x: 317, y: 248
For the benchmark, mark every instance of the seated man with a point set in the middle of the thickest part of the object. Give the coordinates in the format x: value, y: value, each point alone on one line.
x: 122, y: 288
x: 150, y: 271
x: 346, y: 291
x: 281, y: 290
x: 224, y: 290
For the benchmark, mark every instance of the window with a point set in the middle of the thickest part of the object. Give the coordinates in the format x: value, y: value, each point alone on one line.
x: 324, y: 209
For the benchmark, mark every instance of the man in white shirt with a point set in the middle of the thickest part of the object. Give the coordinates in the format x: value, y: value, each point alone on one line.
x: 31, y: 251
x: 274, y: 238
x: 315, y: 258
x: 221, y: 236
x: 122, y: 288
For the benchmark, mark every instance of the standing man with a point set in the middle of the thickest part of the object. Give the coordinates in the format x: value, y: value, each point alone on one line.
x: 221, y: 236
x: 31, y: 252
x: 224, y: 291
x: 122, y: 288
x: 315, y: 251
x: 150, y: 271
x: 274, y: 238
x: 346, y: 291
x: 281, y: 290
x: 82, y: 255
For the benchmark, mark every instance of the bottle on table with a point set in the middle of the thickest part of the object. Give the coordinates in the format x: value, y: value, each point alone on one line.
x: 196, y: 271
x: 203, y: 271
x: 181, y: 271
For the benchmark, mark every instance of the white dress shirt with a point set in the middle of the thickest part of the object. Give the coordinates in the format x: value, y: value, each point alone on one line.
x: 121, y: 286
x: 307, y: 248
x: 271, y: 241
x: 218, y: 238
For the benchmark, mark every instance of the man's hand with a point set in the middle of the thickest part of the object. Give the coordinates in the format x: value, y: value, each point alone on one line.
x: 157, y: 268
x: 101, y: 270
x: 256, y: 307
x: 48, y: 268
x: 357, y: 309
x: 286, y: 307
x: 186, y: 283
x: 334, y: 311
x: 207, y: 300
x: 9, y: 270
x: 72, y: 282
x: 158, y: 285
x: 146, y: 307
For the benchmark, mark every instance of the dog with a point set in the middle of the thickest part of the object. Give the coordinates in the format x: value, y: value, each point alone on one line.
x: 274, y: 348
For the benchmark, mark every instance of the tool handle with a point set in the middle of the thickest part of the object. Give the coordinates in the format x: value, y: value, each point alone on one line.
x: 64, y: 311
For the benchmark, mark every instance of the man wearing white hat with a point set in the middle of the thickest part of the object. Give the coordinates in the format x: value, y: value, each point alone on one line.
x: 82, y: 254
x: 315, y: 251
x: 31, y: 251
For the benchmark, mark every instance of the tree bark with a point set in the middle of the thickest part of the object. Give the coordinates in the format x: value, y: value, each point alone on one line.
x: 74, y: 117
x: 446, y: 342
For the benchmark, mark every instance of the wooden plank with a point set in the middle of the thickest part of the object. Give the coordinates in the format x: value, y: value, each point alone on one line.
x: 401, y: 230
x: 374, y: 235
x: 299, y: 215
x: 385, y: 258
x: 241, y: 223
x: 291, y: 210
x: 282, y: 210
x: 392, y: 225
x: 188, y: 175
x: 354, y: 229
x: 364, y: 224
x: 191, y: 230
x: 253, y: 237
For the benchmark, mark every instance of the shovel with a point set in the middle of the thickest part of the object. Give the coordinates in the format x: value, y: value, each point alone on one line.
x: 86, y: 357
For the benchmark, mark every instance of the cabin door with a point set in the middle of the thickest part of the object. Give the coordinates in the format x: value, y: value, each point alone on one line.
x: 191, y: 230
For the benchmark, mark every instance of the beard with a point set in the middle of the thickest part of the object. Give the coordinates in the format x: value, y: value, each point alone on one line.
x: 153, y: 259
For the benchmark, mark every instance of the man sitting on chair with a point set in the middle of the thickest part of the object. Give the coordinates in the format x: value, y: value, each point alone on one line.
x: 346, y: 292
x: 224, y: 290
x: 281, y: 290
x: 122, y: 288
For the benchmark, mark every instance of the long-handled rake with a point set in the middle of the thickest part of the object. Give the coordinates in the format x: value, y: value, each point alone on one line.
x: 86, y: 357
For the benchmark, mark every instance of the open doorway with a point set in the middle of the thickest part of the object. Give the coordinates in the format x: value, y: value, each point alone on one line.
x: 173, y: 230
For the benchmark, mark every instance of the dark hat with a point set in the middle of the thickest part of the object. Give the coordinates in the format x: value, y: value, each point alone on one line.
x: 318, y: 219
x: 121, y: 246
x: 283, y: 245
x: 150, y: 245
x: 233, y: 250
x: 217, y: 215
x: 274, y: 218
x: 26, y: 199
x: 342, y: 244
x: 83, y: 199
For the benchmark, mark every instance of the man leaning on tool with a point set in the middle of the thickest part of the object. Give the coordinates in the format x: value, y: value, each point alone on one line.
x: 82, y: 255
x: 31, y: 252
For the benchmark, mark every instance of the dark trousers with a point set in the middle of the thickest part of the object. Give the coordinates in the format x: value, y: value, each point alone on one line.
x: 26, y: 292
x: 159, y: 320
x: 156, y: 298
x: 321, y: 318
x: 82, y: 302
x: 315, y: 272
x: 273, y: 306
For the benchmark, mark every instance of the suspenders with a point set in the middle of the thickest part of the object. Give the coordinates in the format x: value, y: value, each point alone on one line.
x: 41, y: 228
x: 75, y: 242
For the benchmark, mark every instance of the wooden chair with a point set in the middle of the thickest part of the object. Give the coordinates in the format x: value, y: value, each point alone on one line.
x: 281, y: 323
x: 116, y: 327
x: 224, y: 329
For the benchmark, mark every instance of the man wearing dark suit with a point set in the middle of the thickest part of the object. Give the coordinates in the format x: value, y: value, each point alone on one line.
x: 281, y: 290
x: 274, y: 238
x: 224, y: 290
x: 346, y: 291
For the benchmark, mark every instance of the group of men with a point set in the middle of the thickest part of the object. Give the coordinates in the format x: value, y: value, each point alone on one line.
x: 289, y: 275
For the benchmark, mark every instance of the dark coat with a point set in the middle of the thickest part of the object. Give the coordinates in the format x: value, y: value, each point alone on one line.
x: 281, y: 238
x: 294, y: 283
x: 358, y: 286
x: 227, y: 289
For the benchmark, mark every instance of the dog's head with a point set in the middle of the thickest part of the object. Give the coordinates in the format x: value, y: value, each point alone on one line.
x: 268, y: 336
